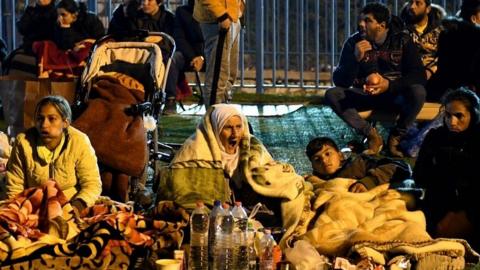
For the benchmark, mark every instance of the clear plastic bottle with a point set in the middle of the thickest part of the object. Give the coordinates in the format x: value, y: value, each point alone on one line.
x: 266, y: 251
x: 240, y: 255
x: 252, y: 254
x: 199, y: 238
x: 223, y: 256
x: 216, y: 210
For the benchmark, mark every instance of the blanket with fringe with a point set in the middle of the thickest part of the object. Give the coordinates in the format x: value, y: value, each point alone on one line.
x: 103, y: 236
x: 373, y: 224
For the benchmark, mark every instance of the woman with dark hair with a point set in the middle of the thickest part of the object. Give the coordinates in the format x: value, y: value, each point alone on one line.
x: 75, y: 32
x: 37, y: 22
x: 54, y: 150
x: 446, y: 168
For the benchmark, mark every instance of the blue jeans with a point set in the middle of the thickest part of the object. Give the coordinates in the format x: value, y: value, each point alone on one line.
x: 347, y: 102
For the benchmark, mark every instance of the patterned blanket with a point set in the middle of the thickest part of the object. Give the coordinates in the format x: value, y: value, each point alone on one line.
x: 374, y: 224
x: 103, y: 236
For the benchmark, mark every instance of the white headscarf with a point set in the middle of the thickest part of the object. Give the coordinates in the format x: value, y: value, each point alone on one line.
x: 219, y: 117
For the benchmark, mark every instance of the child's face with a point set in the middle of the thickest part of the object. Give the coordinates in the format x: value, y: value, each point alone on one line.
x: 326, y: 161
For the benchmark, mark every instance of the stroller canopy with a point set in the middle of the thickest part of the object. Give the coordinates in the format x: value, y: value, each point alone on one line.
x: 130, y: 52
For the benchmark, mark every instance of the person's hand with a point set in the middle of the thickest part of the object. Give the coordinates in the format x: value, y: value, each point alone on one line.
x: 62, y: 23
x: 197, y: 63
x: 357, y: 188
x: 361, y: 48
x: 78, y: 205
x: 376, y: 84
x: 225, y: 24
x: 454, y: 225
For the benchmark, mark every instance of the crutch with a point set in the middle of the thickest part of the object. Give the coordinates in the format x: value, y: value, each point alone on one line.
x: 218, y: 64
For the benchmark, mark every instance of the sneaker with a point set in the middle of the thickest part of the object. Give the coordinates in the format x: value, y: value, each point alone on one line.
x: 375, y: 143
x: 170, y: 107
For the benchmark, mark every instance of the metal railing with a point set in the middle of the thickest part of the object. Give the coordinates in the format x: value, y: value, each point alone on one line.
x: 285, y: 43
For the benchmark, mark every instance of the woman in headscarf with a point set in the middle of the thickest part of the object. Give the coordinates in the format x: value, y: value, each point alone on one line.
x: 223, y: 161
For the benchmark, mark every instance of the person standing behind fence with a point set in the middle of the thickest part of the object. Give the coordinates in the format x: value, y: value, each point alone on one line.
x: 383, y: 65
x: 214, y: 17
x: 37, y: 23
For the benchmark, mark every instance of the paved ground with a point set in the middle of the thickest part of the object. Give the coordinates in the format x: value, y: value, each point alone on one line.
x: 284, y: 136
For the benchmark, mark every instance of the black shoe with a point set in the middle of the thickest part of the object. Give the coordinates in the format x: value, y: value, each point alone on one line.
x: 170, y: 107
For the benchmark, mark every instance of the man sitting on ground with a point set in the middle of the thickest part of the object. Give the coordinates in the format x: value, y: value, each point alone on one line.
x: 379, y: 68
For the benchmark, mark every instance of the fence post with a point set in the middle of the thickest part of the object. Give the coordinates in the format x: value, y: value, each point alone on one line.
x: 260, y: 49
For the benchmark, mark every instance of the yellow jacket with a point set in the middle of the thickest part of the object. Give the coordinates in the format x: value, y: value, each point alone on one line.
x: 76, y: 170
x: 211, y: 11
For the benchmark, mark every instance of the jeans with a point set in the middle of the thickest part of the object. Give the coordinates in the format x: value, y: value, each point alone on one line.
x: 346, y: 102
x: 229, y: 63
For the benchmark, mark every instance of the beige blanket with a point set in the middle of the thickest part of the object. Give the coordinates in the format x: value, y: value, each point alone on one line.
x: 339, y: 220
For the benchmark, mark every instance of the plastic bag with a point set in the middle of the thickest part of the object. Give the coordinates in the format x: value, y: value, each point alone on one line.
x: 305, y: 257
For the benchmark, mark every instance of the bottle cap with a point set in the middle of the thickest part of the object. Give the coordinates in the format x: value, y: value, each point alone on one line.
x: 217, y: 203
x: 226, y: 206
x: 238, y: 204
x: 267, y: 231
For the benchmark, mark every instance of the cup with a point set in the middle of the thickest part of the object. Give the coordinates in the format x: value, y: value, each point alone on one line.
x: 168, y: 264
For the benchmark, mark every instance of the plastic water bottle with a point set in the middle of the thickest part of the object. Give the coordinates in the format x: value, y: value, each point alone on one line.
x: 252, y: 254
x: 216, y: 210
x: 266, y: 251
x: 223, y: 257
x: 240, y: 237
x: 199, y: 238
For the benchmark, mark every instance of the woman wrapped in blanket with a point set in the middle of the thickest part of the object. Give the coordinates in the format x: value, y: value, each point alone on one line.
x: 223, y: 161
x: 447, y: 168
x: 54, y: 150
x: 73, y: 35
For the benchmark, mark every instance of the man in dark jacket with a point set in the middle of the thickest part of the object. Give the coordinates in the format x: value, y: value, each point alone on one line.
x: 189, y: 40
x: 423, y: 22
x: 379, y: 67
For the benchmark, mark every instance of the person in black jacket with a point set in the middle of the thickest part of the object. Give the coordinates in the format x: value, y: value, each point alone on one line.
x: 329, y: 162
x: 379, y: 67
x: 37, y: 23
x: 458, y: 51
x: 446, y: 168
x: 74, y: 33
x: 189, y: 55
x: 123, y: 19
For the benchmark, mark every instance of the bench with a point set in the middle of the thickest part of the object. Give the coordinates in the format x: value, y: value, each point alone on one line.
x: 428, y: 112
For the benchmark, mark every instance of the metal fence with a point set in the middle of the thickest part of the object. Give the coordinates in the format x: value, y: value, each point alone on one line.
x: 285, y: 43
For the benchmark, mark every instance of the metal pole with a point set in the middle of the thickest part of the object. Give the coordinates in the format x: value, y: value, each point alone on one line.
x: 260, y: 50
x: 274, y: 45
x: 333, y: 37
x: 242, y: 56
x: 347, y: 19
x: 92, y: 6
x: 302, y: 18
x: 317, y: 43
x: 13, y: 28
x: 286, y: 42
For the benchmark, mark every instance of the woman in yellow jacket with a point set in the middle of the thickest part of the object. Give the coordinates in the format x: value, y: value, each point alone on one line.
x: 55, y: 150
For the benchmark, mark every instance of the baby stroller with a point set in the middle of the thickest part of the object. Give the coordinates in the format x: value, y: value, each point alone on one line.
x: 118, y: 103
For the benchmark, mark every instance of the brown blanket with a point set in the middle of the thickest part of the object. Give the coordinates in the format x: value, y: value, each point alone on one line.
x: 119, y: 139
